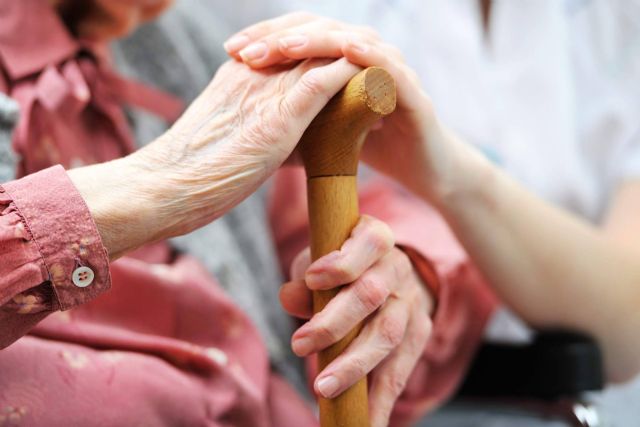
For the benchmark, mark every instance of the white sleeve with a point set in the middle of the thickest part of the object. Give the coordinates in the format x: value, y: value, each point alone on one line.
x: 626, y: 161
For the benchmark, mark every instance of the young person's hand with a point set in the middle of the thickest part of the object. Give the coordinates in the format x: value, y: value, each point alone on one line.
x: 410, y: 145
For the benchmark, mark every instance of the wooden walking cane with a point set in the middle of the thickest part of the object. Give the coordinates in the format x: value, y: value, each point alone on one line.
x: 330, y: 148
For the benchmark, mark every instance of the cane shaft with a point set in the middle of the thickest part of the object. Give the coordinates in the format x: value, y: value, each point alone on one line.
x: 333, y: 212
x: 330, y: 149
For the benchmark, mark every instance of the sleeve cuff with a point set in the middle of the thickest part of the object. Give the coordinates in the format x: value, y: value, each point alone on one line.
x: 65, y: 234
x: 427, y: 272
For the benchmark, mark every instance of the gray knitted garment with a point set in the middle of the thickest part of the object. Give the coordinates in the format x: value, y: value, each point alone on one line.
x: 8, y: 119
x: 180, y: 53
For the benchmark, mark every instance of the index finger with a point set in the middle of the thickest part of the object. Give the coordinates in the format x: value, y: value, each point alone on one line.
x: 370, y: 240
x: 242, y: 38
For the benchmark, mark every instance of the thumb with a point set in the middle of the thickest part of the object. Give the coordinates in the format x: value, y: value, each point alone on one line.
x: 313, y: 90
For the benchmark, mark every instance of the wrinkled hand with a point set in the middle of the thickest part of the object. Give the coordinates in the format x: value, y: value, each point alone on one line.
x: 242, y: 127
x: 410, y: 145
x: 384, y: 289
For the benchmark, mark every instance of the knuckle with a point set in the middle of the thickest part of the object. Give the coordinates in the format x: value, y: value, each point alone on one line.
x: 310, y: 84
x: 371, y: 293
x: 357, y: 367
x: 344, y: 271
x: 376, y: 241
x: 385, y: 234
x: 379, y: 236
x: 362, y: 225
x: 326, y: 333
x: 391, y: 331
x: 308, y: 87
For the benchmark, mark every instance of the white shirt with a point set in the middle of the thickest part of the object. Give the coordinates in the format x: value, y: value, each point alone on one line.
x: 552, y: 94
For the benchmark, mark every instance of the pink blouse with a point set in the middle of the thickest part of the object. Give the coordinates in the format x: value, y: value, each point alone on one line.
x: 152, y: 339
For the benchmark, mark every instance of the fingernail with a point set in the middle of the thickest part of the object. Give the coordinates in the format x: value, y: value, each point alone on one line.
x: 328, y: 386
x: 302, y: 346
x: 236, y: 42
x: 254, y: 51
x: 290, y: 42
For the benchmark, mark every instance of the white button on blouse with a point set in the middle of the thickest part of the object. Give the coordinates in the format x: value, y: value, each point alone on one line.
x: 82, y: 277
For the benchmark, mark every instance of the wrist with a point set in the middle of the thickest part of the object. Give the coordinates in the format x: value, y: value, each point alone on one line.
x: 459, y: 175
x: 124, y: 202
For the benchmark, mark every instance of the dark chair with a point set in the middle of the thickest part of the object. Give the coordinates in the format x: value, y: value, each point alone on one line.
x: 551, y: 377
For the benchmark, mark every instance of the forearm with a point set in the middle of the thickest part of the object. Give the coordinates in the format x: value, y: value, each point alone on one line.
x: 124, y: 202
x: 552, y: 268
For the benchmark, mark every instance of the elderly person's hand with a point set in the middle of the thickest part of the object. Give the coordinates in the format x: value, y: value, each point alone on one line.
x: 411, y: 145
x: 242, y: 127
x: 385, y: 290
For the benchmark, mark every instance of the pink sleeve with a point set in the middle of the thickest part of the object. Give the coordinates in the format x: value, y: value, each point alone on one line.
x: 465, y: 302
x: 51, y: 255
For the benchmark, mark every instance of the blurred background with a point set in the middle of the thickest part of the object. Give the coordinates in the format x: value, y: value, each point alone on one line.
x: 533, y: 70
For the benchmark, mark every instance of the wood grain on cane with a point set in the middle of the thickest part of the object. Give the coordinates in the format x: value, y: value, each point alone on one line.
x: 330, y: 149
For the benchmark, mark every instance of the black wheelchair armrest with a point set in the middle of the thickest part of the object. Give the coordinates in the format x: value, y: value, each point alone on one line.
x: 557, y: 364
